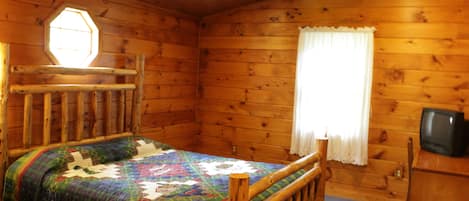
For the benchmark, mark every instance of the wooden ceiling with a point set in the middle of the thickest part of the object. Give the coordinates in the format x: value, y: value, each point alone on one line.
x: 199, y: 8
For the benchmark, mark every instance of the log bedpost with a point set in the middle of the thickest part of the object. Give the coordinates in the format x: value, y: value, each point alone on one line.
x: 239, y: 187
x: 4, y: 65
x: 108, y: 112
x: 46, y: 129
x: 121, y: 112
x: 80, y: 116
x: 321, y: 186
x: 138, y: 95
x: 28, y: 120
x: 94, y: 113
x: 64, y: 104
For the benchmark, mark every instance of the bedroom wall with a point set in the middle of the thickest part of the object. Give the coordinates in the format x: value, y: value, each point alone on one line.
x: 247, y: 72
x: 168, y: 39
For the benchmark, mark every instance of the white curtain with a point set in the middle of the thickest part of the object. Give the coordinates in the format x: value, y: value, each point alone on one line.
x: 333, y: 89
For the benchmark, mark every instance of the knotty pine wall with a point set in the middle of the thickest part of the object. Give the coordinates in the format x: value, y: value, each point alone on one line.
x: 247, y: 76
x: 168, y: 39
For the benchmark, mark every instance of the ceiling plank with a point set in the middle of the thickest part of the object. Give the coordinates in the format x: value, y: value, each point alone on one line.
x: 199, y: 8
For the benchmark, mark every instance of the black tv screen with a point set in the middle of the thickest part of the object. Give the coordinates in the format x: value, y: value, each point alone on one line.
x: 443, y: 131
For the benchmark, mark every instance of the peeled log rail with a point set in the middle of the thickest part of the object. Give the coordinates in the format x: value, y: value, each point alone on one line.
x: 47, y: 118
x: 80, y: 122
x: 121, y: 112
x: 309, y: 187
x: 69, y: 70
x: 108, y: 112
x: 297, y: 187
x: 4, y: 62
x: 273, y: 178
x: 64, y: 104
x: 28, y: 120
x: 51, y: 88
x: 14, y: 153
x: 138, y: 95
x: 94, y: 113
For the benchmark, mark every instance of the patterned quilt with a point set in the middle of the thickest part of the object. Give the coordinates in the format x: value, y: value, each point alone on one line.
x: 128, y: 169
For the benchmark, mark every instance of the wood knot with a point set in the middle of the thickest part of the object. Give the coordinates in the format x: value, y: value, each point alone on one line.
x: 424, y: 79
x: 381, y: 84
x: 274, y: 19
x: 448, y: 42
x: 379, y: 154
x: 104, y: 13
x: 463, y: 85
x: 420, y: 16
x: 238, y: 29
x: 383, y: 137
x: 396, y: 75
x: 436, y: 60
x: 39, y: 21
x: 293, y: 13
x: 394, y: 106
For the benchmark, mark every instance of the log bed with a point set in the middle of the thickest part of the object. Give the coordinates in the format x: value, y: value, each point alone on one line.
x: 310, y: 186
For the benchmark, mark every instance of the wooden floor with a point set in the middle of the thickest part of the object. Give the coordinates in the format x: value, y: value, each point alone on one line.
x: 330, y: 198
x: 353, y: 192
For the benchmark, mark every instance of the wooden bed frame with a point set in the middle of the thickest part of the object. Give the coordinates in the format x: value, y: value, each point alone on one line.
x: 310, y: 186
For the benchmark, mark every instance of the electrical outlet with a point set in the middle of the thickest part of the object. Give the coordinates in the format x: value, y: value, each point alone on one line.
x: 234, y: 149
x: 398, y: 173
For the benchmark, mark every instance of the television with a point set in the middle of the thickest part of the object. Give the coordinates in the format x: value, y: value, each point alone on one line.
x: 443, y: 132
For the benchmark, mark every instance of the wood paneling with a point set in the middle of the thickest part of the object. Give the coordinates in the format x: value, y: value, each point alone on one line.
x: 199, y: 7
x: 247, y: 71
x: 244, y: 69
x: 168, y: 39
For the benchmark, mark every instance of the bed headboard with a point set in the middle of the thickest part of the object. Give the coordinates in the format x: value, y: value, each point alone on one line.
x: 125, y: 97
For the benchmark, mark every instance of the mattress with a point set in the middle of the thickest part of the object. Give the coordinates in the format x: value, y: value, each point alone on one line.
x: 131, y: 168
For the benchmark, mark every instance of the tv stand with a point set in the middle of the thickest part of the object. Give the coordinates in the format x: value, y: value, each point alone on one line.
x: 439, y: 177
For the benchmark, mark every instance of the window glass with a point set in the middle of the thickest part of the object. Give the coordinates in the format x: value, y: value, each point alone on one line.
x: 333, y: 92
x: 73, y: 38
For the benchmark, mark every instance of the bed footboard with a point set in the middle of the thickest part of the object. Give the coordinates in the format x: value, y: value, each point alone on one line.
x: 309, y: 187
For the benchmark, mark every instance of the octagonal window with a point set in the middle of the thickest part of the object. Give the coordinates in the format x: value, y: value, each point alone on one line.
x: 72, y: 37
